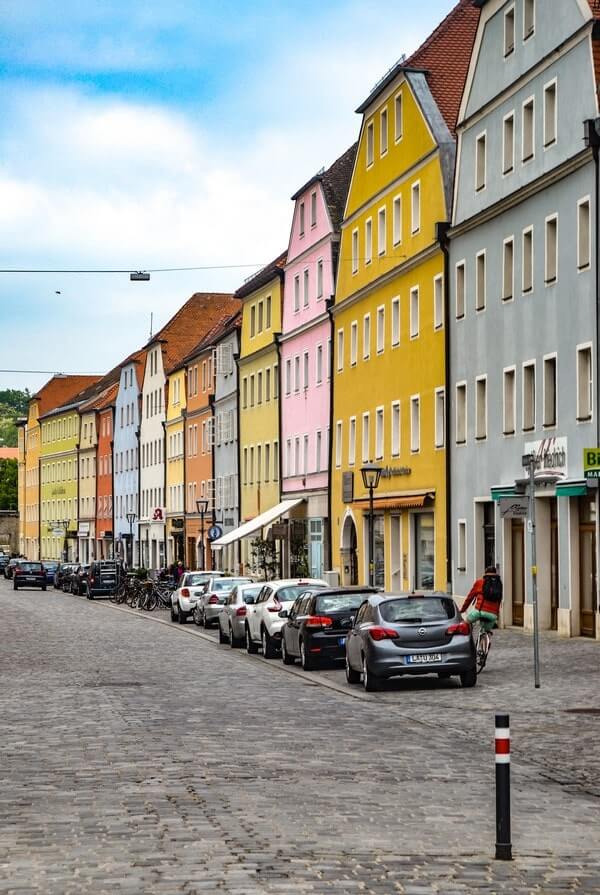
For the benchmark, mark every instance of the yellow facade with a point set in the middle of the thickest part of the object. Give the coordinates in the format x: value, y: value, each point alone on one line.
x: 389, y: 354
x: 88, y: 446
x: 59, y: 484
x: 175, y: 468
x: 31, y: 525
x: 21, y: 490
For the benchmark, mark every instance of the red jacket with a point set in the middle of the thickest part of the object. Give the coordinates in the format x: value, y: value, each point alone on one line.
x: 476, y: 596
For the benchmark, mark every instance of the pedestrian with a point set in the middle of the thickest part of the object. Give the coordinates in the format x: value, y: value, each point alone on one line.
x: 486, y: 594
x: 179, y: 571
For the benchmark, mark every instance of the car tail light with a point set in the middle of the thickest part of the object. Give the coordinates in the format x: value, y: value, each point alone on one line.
x: 382, y: 633
x: 18, y: 572
x: 460, y: 628
x: 241, y: 610
x: 92, y: 579
x: 213, y: 599
x: 185, y: 592
x: 318, y: 621
x: 276, y: 607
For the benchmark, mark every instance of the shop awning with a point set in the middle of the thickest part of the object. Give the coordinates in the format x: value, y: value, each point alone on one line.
x: 572, y: 489
x: 499, y: 493
x: 409, y: 501
x: 260, y: 521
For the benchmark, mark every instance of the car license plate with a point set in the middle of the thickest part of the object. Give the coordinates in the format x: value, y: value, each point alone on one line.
x: 30, y: 578
x: 341, y: 641
x: 424, y: 658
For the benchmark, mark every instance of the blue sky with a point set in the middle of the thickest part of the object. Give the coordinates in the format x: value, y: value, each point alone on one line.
x: 141, y: 134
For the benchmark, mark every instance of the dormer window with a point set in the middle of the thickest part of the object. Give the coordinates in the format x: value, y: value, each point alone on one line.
x: 509, y: 31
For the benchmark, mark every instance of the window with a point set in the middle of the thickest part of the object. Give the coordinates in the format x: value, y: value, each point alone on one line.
x: 354, y: 251
x: 259, y: 387
x: 313, y: 209
x: 380, y: 329
x: 306, y: 375
x: 508, y: 269
x: 481, y: 408
x: 320, y: 279
x: 268, y: 312
x: 480, y: 282
x: 319, y: 365
x: 267, y: 461
x: 508, y: 144
x: 550, y: 114
x: 461, y: 551
x: 509, y: 31
x: 252, y: 390
x: 381, y: 234
x: 527, y: 269
x: 461, y: 413
x: 528, y: 18
x: 527, y: 147
x: 297, y: 292
x: 529, y: 396
x: 267, y: 384
x: 550, y: 390
x: 252, y: 321
x: 583, y: 234
x: 340, y: 350
x: 368, y: 241
x: 415, y: 424
x: 352, y: 441
x: 353, y: 342
x: 414, y: 312
x: 397, y: 220
x: 297, y: 373
x: 395, y: 321
x: 260, y: 316
x: 244, y: 392
x: 288, y: 457
x: 584, y: 382
x: 460, y: 290
x: 276, y: 381
x: 318, y: 450
x: 338, y: 443
x: 379, y: 433
x: 366, y: 337
x: 366, y: 437
x: 551, y: 266
x: 370, y: 144
x: 509, y: 401
x: 395, y: 430
x: 438, y: 302
x: 259, y: 463
x: 305, y: 456
x: 398, y: 117
x: 302, y: 219
x: 383, y: 134
x: 288, y: 376
x: 416, y: 207
x: 306, y: 287
x: 480, y: 162
x: 440, y: 417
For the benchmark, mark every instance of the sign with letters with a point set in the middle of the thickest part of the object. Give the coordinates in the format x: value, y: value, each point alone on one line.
x: 591, y: 463
x: 516, y: 507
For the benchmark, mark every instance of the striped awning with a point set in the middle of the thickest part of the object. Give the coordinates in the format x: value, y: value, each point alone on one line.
x: 405, y: 502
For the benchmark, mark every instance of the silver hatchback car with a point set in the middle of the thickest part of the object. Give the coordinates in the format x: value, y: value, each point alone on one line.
x: 409, y: 634
x: 213, y: 598
x: 232, y: 617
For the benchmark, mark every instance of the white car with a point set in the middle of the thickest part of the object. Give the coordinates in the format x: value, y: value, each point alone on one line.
x: 184, y: 599
x: 263, y: 624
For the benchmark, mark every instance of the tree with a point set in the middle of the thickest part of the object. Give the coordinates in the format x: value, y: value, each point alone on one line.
x: 13, y: 404
x: 9, y: 498
x: 263, y: 558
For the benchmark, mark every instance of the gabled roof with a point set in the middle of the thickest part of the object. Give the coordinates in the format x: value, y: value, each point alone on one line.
x: 336, y: 183
x: 60, y: 389
x: 105, y: 399
x: 264, y: 276
x: 220, y: 329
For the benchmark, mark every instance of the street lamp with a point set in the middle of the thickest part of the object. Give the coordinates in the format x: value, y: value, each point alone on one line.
x: 131, y: 517
x: 202, y: 507
x: 371, y: 473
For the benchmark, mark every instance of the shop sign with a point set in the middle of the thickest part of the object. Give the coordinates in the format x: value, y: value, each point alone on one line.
x: 59, y: 490
x: 84, y: 529
x: 347, y: 487
x: 158, y: 514
x: 389, y: 472
x: 514, y: 507
x: 591, y: 463
x: 58, y: 533
x: 549, y: 453
x: 279, y: 531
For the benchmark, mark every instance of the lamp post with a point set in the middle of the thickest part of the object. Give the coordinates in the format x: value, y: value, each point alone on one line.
x: 202, y: 506
x: 65, y: 545
x: 371, y: 473
x: 131, y: 517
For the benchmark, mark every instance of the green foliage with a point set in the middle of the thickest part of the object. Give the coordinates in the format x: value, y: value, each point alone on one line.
x: 8, y: 485
x: 263, y: 558
x: 13, y: 404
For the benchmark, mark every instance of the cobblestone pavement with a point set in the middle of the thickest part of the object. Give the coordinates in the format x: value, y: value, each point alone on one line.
x: 141, y: 757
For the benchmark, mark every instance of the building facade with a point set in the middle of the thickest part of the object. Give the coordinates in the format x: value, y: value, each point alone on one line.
x: 126, y: 469
x: 199, y: 435
x: 86, y: 470
x: 524, y: 309
x: 59, y: 482
x: 104, y: 523
x: 175, y: 467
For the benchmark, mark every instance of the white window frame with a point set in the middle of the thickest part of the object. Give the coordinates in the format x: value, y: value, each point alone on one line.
x: 305, y: 287
x: 481, y: 433
x: 507, y: 170
x: 384, y: 128
x: 397, y: 220
x: 395, y: 321
x: 353, y: 343
x: 340, y: 350
x: 480, y: 299
x: 352, y: 441
x: 366, y: 437
x: 458, y: 266
x: 395, y: 429
x: 585, y: 200
x: 355, y: 251
x: 368, y: 241
x: 509, y: 48
x: 398, y: 119
x: 415, y: 312
x: 297, y: 293
x: 370, y: 143
x: 379, y: 432
x: 367, y: 333
x: 525, y: 160
x: 525, y: 366
x: 319, y: 364
x: 415, y: 190
x: 381, y: 231
x: 528, y: 231
x: 548, y: 144
x: 588, y: 348
x: 512, y: 371
x: 480, y: 175
x: 508, y: 296
x: 380, y: 330
x: 553, y: 356
x: 461, y: 387
x: 439, y: 409
x: 531, y: 32
x: 319, y: 279
x: 548, y: 220
x: 338, y: 443
x: 415, y: 430
x: 461, y: 545
x: 438, y: 301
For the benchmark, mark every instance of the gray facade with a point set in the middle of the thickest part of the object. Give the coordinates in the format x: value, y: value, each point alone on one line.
x: 523, y: 312
x: 226, y: 472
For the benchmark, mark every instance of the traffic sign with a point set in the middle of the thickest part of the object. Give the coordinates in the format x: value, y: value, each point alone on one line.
x: 514, y: 507
x: 214, y: 532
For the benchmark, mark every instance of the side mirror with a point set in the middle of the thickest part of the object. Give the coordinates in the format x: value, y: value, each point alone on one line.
x: 283, y: 614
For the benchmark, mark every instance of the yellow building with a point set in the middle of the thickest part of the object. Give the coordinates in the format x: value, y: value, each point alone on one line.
x: 59, y: 483
x: 21, y: 488
x: 175, y: 466
x: 389, y: 336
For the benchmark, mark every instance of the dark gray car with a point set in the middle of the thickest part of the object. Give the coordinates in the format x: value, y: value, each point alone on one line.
x: 409, y: 634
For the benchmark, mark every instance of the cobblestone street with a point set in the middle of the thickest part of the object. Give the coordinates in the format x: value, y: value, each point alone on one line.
x: 139, y: 756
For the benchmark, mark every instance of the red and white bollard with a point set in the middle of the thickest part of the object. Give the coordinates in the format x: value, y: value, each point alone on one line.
x: 503, y: 843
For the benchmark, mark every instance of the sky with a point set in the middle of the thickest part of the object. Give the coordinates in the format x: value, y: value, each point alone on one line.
x: 137, y: 134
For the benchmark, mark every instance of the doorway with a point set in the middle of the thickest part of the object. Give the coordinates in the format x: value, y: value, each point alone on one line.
x: 518, y: 571
x: 554, y: 568
x: 349, y: 552
x: 588, y: 578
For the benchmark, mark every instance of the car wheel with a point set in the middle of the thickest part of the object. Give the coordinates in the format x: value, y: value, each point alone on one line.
x: 371, y: 682
x: 285, y: 656
x: 182, y: 616
x: 306, y: 660
x: 196, y: 616
x: 88, y: 594
x: 268, y: 647
x: 44, y: 586
x: 251, y: 646
x: 15, y: 585
x: 352, y: 676
x: 234, y: 642
x: 468, y: 678
x: 222, y: 637
x: 173, y: 614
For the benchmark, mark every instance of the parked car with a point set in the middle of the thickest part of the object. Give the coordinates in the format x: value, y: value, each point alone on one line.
x: 28, y: 574
x: 213, y: 597
x: 78, y: 581
x: 64, y: 570
x: 102, y: 578
x: 4, y: 561
x: 317, y: 623
x: 10, y: 567
x: 50, y: 567
x: 183, y: 599
x: 409, y: 634
x: 263, y: 622
x: 232, y: 615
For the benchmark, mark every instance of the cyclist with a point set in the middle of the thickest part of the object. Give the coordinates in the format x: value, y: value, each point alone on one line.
x: 486, y: 594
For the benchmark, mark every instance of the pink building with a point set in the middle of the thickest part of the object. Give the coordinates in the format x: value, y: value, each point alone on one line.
x: 305, y: 362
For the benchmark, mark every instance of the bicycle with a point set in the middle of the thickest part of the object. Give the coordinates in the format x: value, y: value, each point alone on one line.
x: 483, y: 642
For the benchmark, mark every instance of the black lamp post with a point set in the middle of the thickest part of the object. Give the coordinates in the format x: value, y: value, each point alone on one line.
x: 65, y: 546
x: 131, y: 517
x: 371, y: 473
x: 202, y: 507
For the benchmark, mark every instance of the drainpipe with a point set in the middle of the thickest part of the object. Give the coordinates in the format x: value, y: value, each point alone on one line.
x: 441, y: 232
x: 328, y: 553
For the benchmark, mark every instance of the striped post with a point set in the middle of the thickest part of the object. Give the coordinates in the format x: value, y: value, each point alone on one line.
x: 503, y: 843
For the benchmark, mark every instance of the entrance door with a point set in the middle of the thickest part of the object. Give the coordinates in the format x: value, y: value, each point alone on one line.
x: 588, y: 579
x: 518, y: 570
x: 554, y: 575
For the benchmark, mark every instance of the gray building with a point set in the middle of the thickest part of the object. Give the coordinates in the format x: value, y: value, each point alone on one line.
x: 523, y: 311
x: 225, y: 456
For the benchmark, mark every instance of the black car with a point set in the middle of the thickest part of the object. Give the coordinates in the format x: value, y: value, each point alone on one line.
x: 318, y: 623
x: 10, y: 568
x: 29, y: 574
x: 102, y: 579
x: 4, y: 560
x: 63, y: 571
x: 78, y: 582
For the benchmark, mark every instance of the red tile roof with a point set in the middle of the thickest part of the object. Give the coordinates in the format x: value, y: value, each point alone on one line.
x: 263, y: 276
x: 9, y: 453
x: 58, y: 390
x: 227, y: 323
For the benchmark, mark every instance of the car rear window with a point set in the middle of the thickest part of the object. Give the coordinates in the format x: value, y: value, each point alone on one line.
x: 31, y: 566
x: 418, y: 610
x: 334, y: 602
x: 289, y: 594
x: 251, y: 592
x: 194, y: 580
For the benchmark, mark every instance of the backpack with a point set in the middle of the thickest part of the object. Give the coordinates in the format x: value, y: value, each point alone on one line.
x: 492, y: 589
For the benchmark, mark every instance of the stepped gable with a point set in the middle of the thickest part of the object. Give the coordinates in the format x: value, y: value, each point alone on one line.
x: 221, y: 328
x: 263, y: 276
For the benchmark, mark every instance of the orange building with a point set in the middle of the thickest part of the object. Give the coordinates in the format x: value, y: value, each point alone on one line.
x: 104, y: 479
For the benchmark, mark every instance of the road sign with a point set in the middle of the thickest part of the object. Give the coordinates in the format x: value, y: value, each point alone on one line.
x: 591, y: 463
x: 214, y: 532
x: 514, y: 507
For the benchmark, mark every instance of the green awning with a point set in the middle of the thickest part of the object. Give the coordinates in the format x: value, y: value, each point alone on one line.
x: 498, y: 493
x: 571, y: 489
